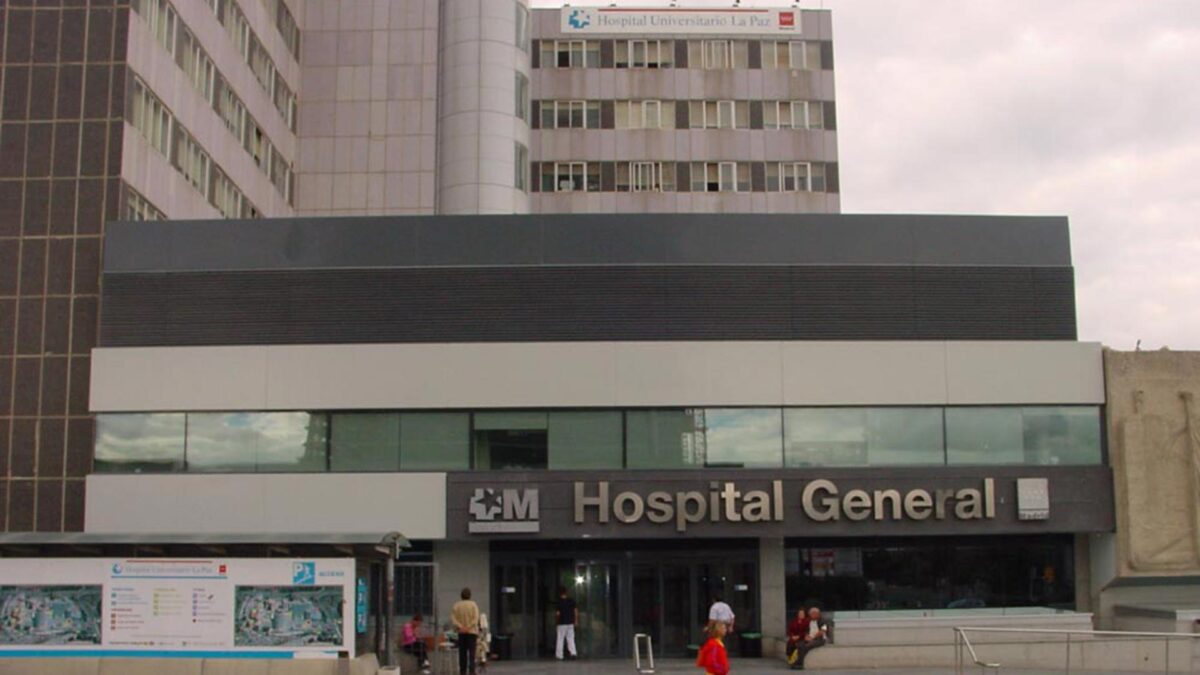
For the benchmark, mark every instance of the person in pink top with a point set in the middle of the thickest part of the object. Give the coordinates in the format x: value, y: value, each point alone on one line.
x: 412, y: 642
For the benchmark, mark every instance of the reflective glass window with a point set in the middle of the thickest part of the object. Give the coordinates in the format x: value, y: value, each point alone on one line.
x: 585, y: 440
x: 863, y: 436
x: 1033, y: 435
x: 139, y: 443
x: 435, y: 441
x: 364, y: 442
x: 743, y: 437
x: 661, y: 439
x: 263, y: 442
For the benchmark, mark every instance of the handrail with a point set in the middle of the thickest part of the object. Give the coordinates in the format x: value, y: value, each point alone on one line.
x: 960, y: 639
x: 960, y: 634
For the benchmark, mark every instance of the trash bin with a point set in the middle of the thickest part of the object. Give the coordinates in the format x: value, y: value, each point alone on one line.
x: 751, y: 645
x: 502, y: 646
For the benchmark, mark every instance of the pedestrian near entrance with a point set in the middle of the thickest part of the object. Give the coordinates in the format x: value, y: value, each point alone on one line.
x: 720, y: 612
x: 713, y: 658
x: 465, y: 616
x: 566, y: 615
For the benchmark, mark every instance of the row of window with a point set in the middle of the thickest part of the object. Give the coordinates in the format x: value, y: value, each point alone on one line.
x: 660, y: 114
x: 701, y: 54
x: 605, y: 439
x: 154, y: 121
x: 201, y: 73
x: 285, y: 23
x: 138, y: 207
x: 175, y: 37
x: 651, y: 176
x: 255, y: 53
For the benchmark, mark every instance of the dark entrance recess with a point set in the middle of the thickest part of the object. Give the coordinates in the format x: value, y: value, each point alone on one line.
x: 621, y: 590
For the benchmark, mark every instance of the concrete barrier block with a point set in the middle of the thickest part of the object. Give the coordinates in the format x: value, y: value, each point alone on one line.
x: 151, y: 667
x: 55, y: 666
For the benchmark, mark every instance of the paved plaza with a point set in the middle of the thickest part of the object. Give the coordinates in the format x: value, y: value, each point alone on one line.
x: 679, y: 666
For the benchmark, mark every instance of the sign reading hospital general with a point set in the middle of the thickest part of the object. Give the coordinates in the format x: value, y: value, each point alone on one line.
x: 230, y: 608
x: 789, y: 503
x: 665, y: 21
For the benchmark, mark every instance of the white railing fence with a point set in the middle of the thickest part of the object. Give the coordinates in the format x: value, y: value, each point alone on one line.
x: 1076, y: 651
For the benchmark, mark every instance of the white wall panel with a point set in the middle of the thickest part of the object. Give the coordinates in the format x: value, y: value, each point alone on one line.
x: 285, y: 504
x: 594, y: 374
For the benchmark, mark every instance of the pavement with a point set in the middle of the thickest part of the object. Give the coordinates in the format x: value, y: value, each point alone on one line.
x: 679, y: 666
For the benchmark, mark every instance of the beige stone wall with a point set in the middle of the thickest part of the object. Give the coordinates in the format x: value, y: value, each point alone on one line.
x: 1154, y: 445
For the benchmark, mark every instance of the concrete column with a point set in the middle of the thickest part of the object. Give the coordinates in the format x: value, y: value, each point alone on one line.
x: 772, y: 599
x: 462, y: 564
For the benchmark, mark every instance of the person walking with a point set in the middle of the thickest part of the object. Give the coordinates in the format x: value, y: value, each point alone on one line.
x: 721, y: 612
x: 566, y: 615
x: 713, y: 657
x: 465, y: 616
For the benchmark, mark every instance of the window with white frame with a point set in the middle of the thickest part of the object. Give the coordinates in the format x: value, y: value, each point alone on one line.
x: 570, y: 114
x: 719, y: 114
x: 196, y: 65
x: 231, y: 110
x: 720, y: 177
x: 795, y: 177
x: 522, y: 35
x: 226, y: 196
x: 570, y: 54
x: 191, y: 160
x: 285, y: 23
x: 570, y: 177
x: 520, y: 167
x: 645, y: 177
x: 281, y: 175
x: 719, y: 54
x: 262, y: 66
x: 644, y: 53
x: 793, y: 55
x: 236, y: 26
x: 522, y: 96
x: 151, y: 118
x: 651, y: 114
x: 285, y: 102
x: 258, y: 145
x: 161, y: 19
x: 793, y: 115
x: 138, y: 207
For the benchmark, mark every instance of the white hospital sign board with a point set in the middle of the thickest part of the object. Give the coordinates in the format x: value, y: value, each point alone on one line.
x: 613, y: 20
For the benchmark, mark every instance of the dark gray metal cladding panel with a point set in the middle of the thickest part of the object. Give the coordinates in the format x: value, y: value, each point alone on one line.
x: 545, y: 303
x: 1081, y: 501
x: 663, y: 239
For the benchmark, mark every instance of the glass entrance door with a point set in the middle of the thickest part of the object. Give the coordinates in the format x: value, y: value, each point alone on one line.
x: 594, y: 587
x: 671, y: 600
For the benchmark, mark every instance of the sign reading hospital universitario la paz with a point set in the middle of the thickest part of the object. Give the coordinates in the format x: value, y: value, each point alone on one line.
x: 230, y: 608
x: 607, y: 20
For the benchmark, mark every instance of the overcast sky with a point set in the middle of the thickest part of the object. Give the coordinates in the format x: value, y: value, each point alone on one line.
x: 1083, y: 108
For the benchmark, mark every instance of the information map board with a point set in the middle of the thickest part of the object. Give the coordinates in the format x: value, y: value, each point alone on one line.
x: 220, y: 608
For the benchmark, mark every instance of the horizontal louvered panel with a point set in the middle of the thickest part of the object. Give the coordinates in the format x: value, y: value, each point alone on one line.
x: 587, y: 303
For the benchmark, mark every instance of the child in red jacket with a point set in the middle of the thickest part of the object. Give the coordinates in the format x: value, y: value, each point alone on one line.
x: 713, y: 658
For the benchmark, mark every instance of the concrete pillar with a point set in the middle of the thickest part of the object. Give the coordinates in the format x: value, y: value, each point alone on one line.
x: 772, y: 599
x: 462, y: 564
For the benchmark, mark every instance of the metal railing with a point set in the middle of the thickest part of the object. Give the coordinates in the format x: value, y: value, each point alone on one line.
x: 964, y: 650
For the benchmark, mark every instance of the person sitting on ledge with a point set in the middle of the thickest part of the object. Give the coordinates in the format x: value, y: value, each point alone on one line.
x: 811, y: 633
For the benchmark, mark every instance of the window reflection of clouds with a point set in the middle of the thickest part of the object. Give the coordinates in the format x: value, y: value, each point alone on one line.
x: 751, y: 437
x: 139, y: 438
x: 247, y: 440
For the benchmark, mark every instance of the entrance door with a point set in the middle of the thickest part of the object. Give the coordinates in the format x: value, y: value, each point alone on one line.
x: 516, y: 615
x: 593, y: 586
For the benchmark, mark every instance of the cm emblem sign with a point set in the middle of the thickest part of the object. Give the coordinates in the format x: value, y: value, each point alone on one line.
x: 507, y: 511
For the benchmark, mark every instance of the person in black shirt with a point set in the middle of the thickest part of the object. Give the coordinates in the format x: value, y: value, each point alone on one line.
x: 566, y: 615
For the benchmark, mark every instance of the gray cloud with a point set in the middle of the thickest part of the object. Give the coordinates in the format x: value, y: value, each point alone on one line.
x: 1083, y: 108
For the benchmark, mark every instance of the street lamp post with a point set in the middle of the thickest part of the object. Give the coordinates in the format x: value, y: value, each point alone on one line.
x: 391, y: 544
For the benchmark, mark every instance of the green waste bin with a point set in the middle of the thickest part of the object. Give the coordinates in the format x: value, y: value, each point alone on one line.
x: 751, y: 645
x: 502, y: 646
